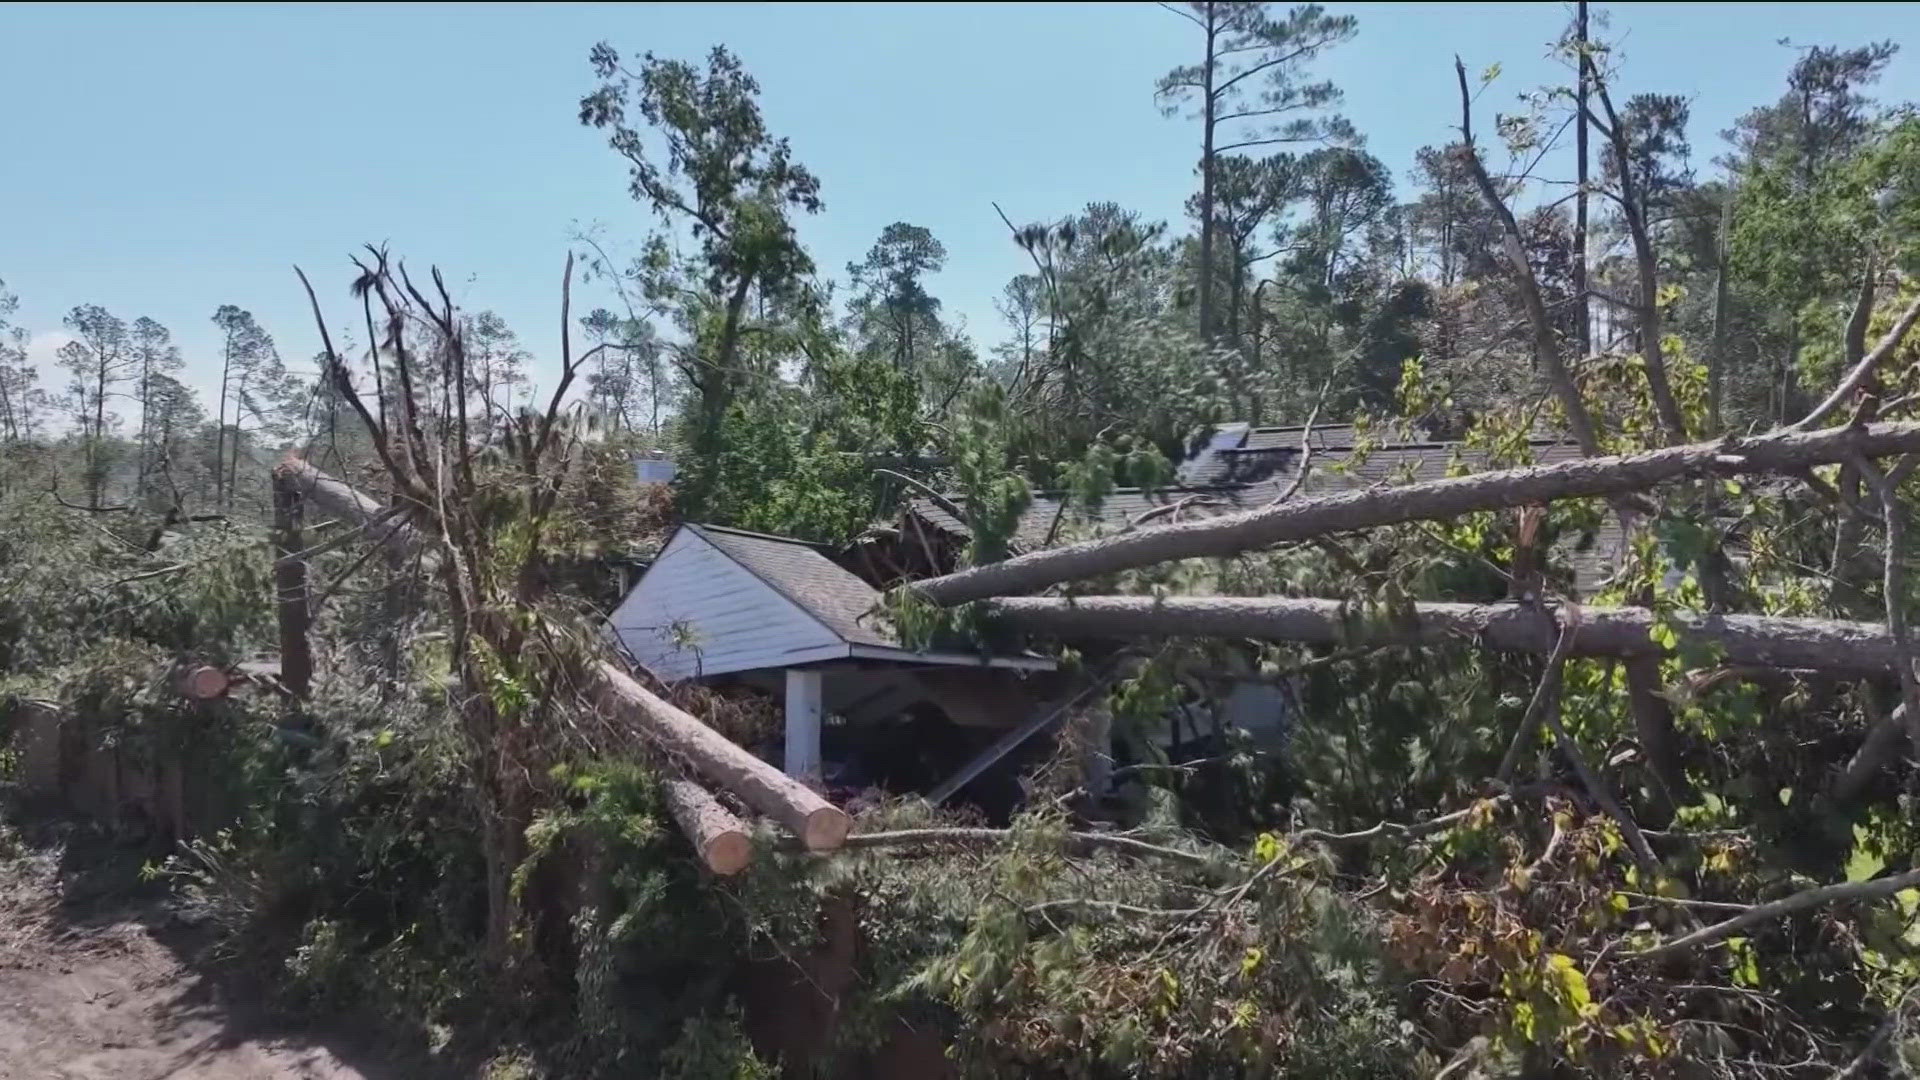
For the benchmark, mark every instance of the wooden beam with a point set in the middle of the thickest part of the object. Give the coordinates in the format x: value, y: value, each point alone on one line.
x: 1006, y: 744
x: 803, y: 705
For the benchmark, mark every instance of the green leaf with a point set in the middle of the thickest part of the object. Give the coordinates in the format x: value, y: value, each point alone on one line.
x: 1570, y: 983
x: 1746, y: 962
x: 1863, y: 864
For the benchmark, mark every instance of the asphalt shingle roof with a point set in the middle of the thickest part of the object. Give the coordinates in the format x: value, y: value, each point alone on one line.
x: 803, y: 574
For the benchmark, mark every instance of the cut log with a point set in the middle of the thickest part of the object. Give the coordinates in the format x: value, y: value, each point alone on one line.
x: 819, y: 824
x: 1854, y: 648
x: 204, y: 682
x: 719, y: 837
x: 1230, y: 534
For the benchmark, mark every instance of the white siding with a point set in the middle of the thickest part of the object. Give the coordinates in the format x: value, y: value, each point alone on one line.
x: 730, y: 620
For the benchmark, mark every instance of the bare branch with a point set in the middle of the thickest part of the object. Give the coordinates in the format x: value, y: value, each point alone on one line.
x: 1549, y: 688
x: 1126, y: 845
x: 1858, y: 375
x: 1787, y: 905
x: 1546, y: 348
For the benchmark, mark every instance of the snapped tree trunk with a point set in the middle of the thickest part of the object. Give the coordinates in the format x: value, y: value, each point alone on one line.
x: 290, y: 590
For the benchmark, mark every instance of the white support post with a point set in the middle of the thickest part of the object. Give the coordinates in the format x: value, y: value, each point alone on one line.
x: 803, y: 723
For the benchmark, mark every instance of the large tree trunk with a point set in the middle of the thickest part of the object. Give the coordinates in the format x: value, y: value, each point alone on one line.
x: 1231, y: 534
x: 1209, y: 108
x: 1847, y: 648
x: 1582, y: 312
x: 343, y: 500
x: 819, y: 824
x: 290, y: 591
x: 220, y: 423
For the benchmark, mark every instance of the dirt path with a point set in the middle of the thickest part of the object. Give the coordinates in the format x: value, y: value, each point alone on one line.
x: 92, y: 995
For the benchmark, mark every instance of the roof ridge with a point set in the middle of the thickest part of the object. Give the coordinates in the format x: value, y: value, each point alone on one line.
x: 731, y: 531
x: 1046, y: 493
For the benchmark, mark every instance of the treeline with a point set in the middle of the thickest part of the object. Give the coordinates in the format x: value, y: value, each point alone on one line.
x: 1300, y: 278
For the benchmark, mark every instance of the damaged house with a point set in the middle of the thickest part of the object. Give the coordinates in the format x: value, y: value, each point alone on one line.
x: 802, y: 623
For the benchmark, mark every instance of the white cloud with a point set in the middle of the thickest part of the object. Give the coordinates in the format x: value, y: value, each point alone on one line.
x: 43, y: 351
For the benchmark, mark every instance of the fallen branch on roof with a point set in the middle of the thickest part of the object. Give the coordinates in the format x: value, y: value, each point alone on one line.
x: 1230, y: 534
x: 1855, y: 648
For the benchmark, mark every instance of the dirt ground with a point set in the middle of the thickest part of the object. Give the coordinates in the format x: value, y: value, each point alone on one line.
x: 95, y: 984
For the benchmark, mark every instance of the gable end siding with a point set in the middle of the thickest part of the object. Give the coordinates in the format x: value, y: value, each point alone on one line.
x: 734, y: 621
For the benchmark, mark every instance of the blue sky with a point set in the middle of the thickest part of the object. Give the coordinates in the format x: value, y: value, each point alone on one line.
x: 164, y: 160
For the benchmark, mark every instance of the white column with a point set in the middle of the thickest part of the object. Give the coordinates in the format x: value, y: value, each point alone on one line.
x: 803, y: 723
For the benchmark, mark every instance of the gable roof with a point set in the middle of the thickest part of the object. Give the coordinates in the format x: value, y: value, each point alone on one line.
x: 803, y: 573
x: 721, y: 600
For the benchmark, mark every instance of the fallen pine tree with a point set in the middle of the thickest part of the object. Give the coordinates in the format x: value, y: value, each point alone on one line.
x: 1852, y: 648
x: 1231, y: 534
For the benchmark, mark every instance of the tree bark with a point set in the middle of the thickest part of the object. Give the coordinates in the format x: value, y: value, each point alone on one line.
x: 1659, y: 742
x: 1231, y: 534
x: 722, y: 841
x: 1583, y: 312
x: 1717, y: 355
x: 820, y: 825
x: 1851, y: 648
x: 1883, y: 741
x: 290, y: 590
x: 1209, y: 108
x: 220, y: 422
